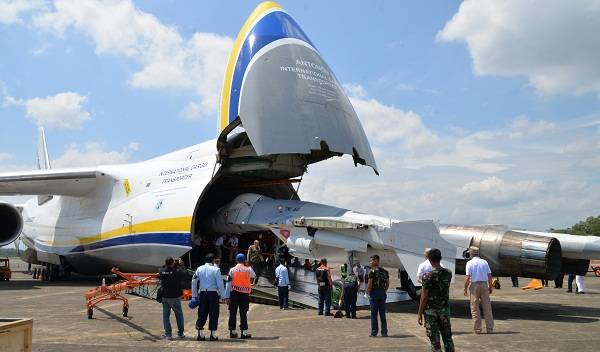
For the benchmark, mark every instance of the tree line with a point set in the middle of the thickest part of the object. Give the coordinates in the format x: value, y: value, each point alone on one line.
x: 587, y: 227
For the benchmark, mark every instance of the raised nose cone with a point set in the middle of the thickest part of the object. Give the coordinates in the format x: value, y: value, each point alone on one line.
x: 279, y: 88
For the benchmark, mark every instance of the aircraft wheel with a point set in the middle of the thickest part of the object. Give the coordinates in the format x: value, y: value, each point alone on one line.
x: 125, y: 311
x: 90, y: 312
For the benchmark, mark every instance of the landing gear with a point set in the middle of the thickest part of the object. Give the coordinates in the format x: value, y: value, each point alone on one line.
x: 90, y: 313
x: 125, y: 311
x: 408, y: 286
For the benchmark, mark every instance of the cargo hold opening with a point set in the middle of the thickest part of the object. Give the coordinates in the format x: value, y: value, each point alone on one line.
x: 221, y: 190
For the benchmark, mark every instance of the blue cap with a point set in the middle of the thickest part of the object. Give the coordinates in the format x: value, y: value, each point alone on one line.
x: 240, y: 258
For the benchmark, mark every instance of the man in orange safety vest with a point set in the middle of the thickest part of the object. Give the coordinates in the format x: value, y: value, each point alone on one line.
x: 237, y: 295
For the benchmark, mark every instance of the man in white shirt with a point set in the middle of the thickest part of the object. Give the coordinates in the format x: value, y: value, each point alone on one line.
x: 479, y: 283
x: 424, y: 267
x: 219, y: 247
x: 282, y: 280
x: 233, y: 247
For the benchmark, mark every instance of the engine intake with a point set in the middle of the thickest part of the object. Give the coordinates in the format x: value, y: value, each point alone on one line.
x: 11, y: 223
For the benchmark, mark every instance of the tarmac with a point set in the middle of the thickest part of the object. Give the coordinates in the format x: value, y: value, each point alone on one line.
x: 544, y: 320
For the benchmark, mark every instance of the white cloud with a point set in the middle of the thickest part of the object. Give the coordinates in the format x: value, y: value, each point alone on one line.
x: 93, y: 153
x: 519, y: 174
x: 389, y: 127
x: 495, y: 191
x: 553, y: 43
x: 355, y: 90
x: 63, y: 110
x: 522, y: 126
x: 11, y: 10
x: 387, y: 124
x: 40, y: 50
x: 5, y: 156
x: 168, y: 60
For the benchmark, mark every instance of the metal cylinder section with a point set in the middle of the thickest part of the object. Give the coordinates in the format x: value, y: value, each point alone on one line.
x: 513, y: 253
x: 530, y: 255
x: 11, y: 223
x: 300, y: 244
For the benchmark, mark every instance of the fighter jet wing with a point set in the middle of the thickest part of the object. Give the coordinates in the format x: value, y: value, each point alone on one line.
x: 66, y: 182
x: 327, y: 223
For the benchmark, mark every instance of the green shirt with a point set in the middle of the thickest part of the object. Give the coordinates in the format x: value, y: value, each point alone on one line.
x: 437, y: 283
x: 380, y: 278
x: 253, y: 253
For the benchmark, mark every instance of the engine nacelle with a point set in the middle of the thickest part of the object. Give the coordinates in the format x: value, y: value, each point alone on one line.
x: 11, y: 223
x: 513, y: 253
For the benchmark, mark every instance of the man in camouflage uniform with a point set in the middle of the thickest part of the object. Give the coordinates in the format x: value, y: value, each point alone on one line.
x: 435, y: 304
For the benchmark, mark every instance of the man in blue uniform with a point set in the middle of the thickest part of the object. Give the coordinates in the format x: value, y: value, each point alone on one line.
x: 207, y: 288
x: 282, y: 281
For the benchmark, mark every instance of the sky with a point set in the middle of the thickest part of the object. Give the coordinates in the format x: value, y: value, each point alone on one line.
x: 478, y: 112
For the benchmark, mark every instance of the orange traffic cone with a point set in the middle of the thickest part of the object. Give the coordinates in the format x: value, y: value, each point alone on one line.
x: 534, y: 284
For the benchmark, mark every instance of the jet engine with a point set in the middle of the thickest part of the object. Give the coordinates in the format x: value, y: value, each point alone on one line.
x: 510, y: 252
x: 11, y: 223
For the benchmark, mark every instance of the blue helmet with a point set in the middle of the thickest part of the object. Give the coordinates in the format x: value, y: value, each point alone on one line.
x: 240, y: 258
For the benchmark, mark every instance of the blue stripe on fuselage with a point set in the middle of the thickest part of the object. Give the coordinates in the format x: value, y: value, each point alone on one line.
x: 168, y: 239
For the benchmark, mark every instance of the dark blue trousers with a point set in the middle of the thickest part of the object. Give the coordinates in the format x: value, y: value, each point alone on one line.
x: 350, y: 296
x: 209, y: 308
x: 377, y: 301
x: 239, y: 301
x: 324, y: 299
x: 284, y: 293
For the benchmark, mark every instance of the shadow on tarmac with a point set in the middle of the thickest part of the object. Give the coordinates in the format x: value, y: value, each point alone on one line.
x: 149, y: 335
x: 515, y: 310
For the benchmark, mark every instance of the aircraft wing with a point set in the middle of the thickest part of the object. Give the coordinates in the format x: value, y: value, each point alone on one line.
x: 65, y: 182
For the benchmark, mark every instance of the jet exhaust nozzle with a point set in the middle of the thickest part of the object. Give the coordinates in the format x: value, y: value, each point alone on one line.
x: 513, y: 253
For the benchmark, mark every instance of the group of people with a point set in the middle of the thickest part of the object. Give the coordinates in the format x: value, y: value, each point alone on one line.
x: 207, y: 290
x: 377, y: 284
x: 434, y: 309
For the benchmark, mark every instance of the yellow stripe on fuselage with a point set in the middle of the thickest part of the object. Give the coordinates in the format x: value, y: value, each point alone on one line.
x: 181, y: 224
x: 225, y: 94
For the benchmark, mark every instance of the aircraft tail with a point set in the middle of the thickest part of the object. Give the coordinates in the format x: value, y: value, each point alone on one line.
x: 42, y: 151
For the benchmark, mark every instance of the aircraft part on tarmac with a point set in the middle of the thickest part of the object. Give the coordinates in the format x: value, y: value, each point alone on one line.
x: 512, y: 253
x: 11, y: 223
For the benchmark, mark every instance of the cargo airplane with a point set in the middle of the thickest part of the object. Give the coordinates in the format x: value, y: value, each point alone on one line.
x: 282, y: 109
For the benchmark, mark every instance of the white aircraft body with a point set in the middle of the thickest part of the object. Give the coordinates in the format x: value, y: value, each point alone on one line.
x: 293, y: 112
